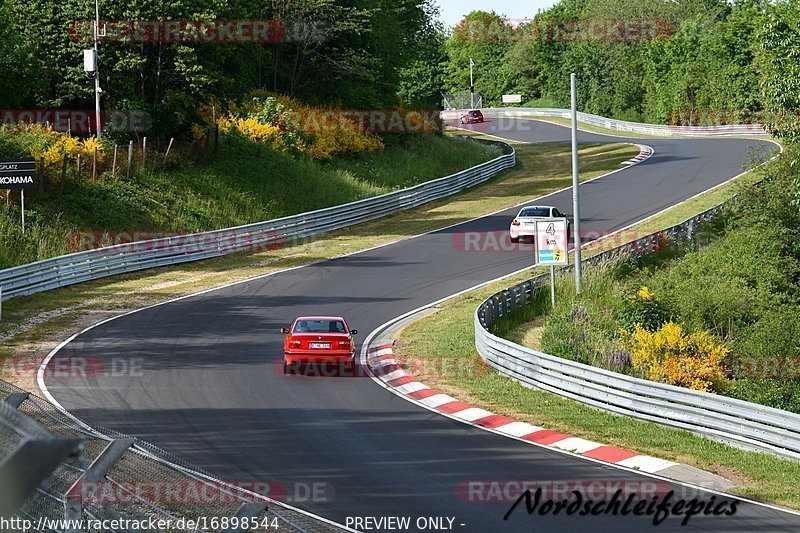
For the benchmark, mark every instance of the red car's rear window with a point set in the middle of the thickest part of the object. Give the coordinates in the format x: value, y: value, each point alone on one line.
x: 319, y: 326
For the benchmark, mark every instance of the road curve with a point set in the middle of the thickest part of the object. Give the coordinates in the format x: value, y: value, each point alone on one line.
x: 208, y: 385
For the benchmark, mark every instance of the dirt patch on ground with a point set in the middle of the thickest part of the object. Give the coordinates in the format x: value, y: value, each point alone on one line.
x: 21, y: 367
x: 732, y: 475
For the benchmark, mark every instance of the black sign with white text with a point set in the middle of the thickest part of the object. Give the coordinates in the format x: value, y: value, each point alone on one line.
x: 17, y: 173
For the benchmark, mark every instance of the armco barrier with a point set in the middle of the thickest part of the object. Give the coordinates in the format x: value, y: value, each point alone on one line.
x: 658, y: 130
x: 743, y: 424
x: 108, y: 261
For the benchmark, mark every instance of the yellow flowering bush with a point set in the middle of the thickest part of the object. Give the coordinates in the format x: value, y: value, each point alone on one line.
x: 641, y: 308
x: 345, y: 141
x: 89, y: 146
x: 198, y: 133
x: 285, y: 125
x: 257, y: 131
x: 669, y: 355
x: 43, y: 142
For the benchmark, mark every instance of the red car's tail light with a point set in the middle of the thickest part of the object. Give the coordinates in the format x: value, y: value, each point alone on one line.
x: 515, y: 223
x: 344, y: 344
x: 295, y: 344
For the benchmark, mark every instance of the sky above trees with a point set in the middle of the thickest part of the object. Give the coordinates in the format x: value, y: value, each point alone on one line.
x: 452, y: 11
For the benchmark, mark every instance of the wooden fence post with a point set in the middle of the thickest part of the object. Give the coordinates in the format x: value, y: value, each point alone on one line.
x: 169, y: 147
x: 114, y: 164
x: 216, y: 128
x: 94, y: 165
x: 144, y: 153
x: 130, y: 159
x: 42, y: 174
x: 63, y: 175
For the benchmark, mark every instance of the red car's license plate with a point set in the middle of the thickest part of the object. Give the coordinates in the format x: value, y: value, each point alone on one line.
x: 320, y: 345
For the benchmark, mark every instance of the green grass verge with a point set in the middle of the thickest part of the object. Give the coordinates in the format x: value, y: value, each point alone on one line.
x: 449, y: 334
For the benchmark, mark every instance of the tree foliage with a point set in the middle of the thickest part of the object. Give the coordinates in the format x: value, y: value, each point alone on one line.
x: 360, y: 53
x: 685, y: 61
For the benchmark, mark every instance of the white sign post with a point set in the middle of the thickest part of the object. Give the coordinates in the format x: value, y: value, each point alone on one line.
x: 551, y: 248
x: 18, y: 174
x: 512, y: 98
x: 576, y: 198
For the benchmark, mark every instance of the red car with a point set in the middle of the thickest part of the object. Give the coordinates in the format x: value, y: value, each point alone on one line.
x: 318, y: 339
x: 471, y: 117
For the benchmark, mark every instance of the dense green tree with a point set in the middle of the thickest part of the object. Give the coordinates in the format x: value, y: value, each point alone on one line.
x: 346, y: 52
x: 13, y: 53
x: 486, y: 38
x: 658, y: 60
x: 422, y: 78
x: 779, y: 62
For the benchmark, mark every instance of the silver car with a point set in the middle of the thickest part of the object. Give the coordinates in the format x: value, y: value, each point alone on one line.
x: 524, y: 225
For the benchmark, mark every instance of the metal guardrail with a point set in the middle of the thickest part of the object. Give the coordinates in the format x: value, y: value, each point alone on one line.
x: 73, y: 472
x: 658, y: 130
x: 108, y: 261
x: 740, y: 423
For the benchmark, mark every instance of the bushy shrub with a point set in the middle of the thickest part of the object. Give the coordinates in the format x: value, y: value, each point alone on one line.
x: 641, y: 307
x: 574, y: 336
x: 776, y: 333
x: 668, y: 355
x: 42, y: 142
x: 778, y: 393
x: 344, y: 142
x: 286, y: 125
x: 726, y: 287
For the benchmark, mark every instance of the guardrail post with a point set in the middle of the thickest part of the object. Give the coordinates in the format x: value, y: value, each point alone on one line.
x: 73, y: 499
x: 28, y: 466
x: 247, y: 510
x: 15, y: 399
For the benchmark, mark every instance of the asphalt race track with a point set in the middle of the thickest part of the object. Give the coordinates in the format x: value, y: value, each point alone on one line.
x: 209, y: 384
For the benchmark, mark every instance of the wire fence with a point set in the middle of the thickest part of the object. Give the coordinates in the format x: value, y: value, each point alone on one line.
x: 139, y: 483
x: 70, y: 169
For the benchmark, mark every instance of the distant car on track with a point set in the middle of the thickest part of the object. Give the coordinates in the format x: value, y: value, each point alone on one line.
x: 524, y: 224
x: 471, y: 117
x: 318, y: 339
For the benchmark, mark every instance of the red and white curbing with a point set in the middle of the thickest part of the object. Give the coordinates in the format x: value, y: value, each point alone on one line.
x: 382, y: 364
x: 645, y: 152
